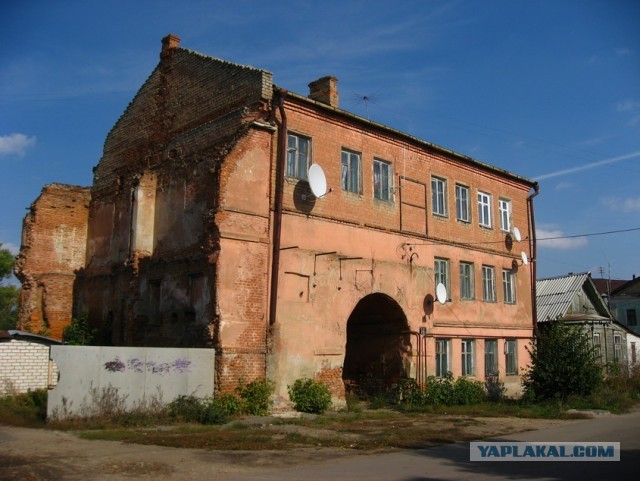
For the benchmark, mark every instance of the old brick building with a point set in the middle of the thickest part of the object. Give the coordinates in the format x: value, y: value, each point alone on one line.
x: 202, y: 230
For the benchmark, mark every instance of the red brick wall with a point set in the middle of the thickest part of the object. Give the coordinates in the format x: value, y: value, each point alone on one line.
x: 53, y: 248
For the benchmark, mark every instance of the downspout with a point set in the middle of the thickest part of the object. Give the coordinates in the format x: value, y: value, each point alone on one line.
x: 277, y: 216
x: 532, y: 246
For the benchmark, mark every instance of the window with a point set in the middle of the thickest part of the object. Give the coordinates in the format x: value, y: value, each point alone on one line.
x: 631, y: 317
x: 490, y: 357
x: 350, y: 171
x: 466, y: 281
x: 382, y: 180
x: 634, y: 359
x: 468, y: 355
x: 597, y: 349
x: 298, y: 156
x: 508, y: 287
x: 443, y: 346
x: 484, y: 209
x: 488, y: 284
x: 505, y: 214
x: 441, y: 268
x: 462, y: 203
x: 511, y: 356
x: 617, y: 347
x: 439, y: 196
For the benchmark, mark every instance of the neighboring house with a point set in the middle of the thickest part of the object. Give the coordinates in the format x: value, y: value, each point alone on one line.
x: 624, y: 303
x: 203, y: 231
x: 24, y: 362
x: 575, y: 299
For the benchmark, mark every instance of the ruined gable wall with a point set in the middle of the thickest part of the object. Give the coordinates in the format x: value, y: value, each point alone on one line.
x: 53, y: 249
x: 154, y: 239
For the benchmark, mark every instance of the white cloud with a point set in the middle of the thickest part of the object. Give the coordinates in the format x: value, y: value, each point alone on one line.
x: 625, y: 205
x: 556, y: 239
x: 627, y: 105
x: 15, y: 144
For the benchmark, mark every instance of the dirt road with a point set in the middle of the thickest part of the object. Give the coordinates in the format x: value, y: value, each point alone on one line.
x: 45, y: 455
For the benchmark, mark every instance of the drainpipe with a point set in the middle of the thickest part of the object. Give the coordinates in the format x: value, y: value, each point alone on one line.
x: 277, y: 216
x: 532, y: 244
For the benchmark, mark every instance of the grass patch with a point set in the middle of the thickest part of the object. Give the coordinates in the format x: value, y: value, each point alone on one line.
x: 28, y: 409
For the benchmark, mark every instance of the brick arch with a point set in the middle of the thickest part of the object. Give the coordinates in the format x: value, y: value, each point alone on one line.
x: 378, y: 346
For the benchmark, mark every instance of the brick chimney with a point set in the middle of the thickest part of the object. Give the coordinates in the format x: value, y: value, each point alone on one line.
x: 325, y: 90
x: 169, y: 42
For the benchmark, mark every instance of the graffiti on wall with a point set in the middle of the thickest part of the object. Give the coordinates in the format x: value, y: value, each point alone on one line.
x: 178, y: 366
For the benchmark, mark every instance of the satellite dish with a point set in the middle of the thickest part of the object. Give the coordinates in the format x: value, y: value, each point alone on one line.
x: 441, y: 293
x: 516, y: 234
x: 317, y: 180
x: 524, y: 258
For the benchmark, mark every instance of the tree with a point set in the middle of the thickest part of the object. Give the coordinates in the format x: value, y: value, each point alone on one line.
x: 563, y: 363
x: 9, y: 294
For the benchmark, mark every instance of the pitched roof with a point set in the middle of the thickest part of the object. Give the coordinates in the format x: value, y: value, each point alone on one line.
x: 607, y: 286
x: 554, y: 296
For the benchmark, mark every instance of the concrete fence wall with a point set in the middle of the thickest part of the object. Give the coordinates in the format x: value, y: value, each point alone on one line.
x: 93, y: 379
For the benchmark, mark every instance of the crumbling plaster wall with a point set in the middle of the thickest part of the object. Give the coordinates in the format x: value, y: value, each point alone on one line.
x: 54, y: 236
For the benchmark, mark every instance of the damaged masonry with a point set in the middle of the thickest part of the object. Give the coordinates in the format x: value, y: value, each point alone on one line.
x: 201, y: 230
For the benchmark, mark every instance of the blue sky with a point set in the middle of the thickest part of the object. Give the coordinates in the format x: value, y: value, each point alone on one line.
x: 549, y: 90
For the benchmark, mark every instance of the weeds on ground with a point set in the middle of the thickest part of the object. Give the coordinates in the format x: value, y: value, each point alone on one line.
x: 26, y: 409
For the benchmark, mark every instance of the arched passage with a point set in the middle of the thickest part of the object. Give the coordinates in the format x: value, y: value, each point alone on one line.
x: 378, y: 346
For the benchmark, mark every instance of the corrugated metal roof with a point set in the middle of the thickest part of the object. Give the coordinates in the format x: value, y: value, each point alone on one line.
x: 15, y: 334
x: 554, y: 295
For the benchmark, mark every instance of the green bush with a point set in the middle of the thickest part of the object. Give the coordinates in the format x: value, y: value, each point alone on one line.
x: 562, y: 364
x: 79, y: 332
x: 187, y: 408
x: 24, y: 409
x: 256, y: 396
x: 309, y: 396
x: 440, y: 391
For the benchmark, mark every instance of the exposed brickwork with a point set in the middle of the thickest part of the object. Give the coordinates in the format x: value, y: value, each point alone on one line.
x: 181, y: 226
x: 53, y: 247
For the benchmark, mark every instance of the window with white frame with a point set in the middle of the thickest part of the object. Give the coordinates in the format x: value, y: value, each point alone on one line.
x: 382, y: 180
x: 468, y: 357
x: 488, y: 284
x: 617, y: 347
x: 351, y: 169
x: 298, y: 156
x: 462, y: 203
x: 505, y: 214
x: 511, y: 356
x: 441, y: 272
x: 443, y: 349
x: 597, y: 347
x: 484, y: 209
x: 508, y: 287
x: 490, y: 357
x: 439, y: 196
x: 466, y: 281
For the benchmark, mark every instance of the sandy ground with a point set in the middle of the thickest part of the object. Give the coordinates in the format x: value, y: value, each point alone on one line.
x: 45, y: 455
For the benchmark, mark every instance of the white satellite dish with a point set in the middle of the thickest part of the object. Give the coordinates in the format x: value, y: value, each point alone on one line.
x: 441, y: 293
x: 524, y: 258
x: 317, y: 180
x: 516, y: 234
